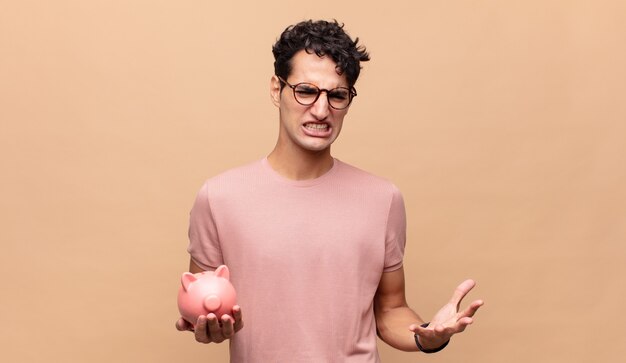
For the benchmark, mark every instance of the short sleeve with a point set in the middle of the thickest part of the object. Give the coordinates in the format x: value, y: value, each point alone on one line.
x: 395, y: 237
x: 204, y: 246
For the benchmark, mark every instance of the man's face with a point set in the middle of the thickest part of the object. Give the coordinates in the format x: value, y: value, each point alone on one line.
x: 314, y: 127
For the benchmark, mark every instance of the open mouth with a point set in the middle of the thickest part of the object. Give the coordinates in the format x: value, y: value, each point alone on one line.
x: 313, y: 126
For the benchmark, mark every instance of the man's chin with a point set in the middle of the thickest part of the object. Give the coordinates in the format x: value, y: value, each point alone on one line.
x: 317, y: 148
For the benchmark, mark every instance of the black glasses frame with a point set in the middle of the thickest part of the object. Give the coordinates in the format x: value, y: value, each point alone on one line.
x: 351, y: 93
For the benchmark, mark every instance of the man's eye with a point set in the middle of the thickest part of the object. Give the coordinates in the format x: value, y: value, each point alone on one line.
x: 339, y: 95
x: 306, y: 91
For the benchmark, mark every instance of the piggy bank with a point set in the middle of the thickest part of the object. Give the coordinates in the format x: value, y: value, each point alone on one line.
x: 206, y: 292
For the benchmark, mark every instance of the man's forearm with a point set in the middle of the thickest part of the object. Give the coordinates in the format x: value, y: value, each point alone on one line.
x: 393, y: 327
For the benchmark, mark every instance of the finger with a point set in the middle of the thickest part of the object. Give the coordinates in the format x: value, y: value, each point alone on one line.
x: 465, y: 322
x: 201, y: 330
x: 477, y: 304
x: 427, y: 332
x: 215, y: 330
x: 461, y: 324
x: 228, y: 329
x: 446, y: 332
x: 440, y: 329
x: 182, y: 325
x: 415, y: 328
x: 471, y: 309
x: 421, y: 332
x: 237, y: 315
x: 461, y: 291
x: 430, y: 331
x: 432, y: 335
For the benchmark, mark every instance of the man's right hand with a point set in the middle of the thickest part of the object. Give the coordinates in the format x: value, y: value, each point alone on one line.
x: 211, y: 330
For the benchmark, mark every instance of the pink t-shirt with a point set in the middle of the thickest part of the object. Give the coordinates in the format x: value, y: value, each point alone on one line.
x: 305, y: 258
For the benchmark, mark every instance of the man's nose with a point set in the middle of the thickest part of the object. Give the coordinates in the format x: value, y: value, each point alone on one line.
x: 321, y: 108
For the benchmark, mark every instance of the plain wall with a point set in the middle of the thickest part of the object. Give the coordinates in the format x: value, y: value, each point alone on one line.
x: 502, y: 122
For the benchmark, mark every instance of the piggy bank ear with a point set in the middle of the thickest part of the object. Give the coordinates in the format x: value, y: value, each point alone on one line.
x: 222, y: 271
x: 187, y: 279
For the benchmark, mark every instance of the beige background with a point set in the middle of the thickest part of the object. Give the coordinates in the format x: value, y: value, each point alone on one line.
x: 503, y: 122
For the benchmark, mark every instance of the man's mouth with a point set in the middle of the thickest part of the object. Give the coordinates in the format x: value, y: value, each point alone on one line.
x: 316, y: 126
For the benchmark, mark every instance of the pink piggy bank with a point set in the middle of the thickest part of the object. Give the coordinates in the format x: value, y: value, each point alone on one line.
x: 206, y: 292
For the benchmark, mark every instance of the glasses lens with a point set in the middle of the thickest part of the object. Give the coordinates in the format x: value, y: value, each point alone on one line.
x: 306, y: 93
x: 339, y: 97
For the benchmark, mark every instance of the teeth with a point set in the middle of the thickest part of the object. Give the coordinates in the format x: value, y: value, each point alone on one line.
x: 316, y: 126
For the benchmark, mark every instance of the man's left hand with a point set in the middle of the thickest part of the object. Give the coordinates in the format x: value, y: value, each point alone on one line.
x: 448, y: 320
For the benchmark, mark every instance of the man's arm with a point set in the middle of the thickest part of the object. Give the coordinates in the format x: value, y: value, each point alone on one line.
x: 393, y: 315
x: 208, y: 328
x: 397, y: 323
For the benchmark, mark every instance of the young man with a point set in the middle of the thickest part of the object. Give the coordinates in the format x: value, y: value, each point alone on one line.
x: 314, y: 245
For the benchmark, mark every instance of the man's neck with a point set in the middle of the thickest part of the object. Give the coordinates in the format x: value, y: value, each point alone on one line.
x: 300, y: 164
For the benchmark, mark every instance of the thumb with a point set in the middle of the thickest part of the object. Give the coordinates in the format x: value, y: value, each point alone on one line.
x: 183, y: 325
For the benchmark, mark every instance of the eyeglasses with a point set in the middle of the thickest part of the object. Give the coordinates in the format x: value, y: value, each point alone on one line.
x: 307, y: 94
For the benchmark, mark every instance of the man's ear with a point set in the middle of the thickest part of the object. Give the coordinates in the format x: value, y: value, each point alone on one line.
x: 275, y: 90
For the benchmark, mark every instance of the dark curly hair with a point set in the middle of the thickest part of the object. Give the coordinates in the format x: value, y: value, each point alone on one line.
x: 322, y: 38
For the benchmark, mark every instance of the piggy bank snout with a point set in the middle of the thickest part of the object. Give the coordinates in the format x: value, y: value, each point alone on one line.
x: 212, y: 303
